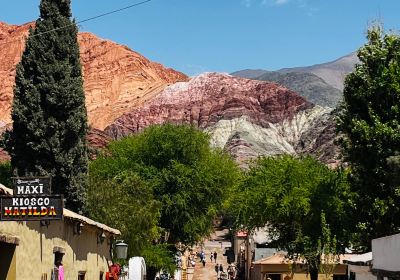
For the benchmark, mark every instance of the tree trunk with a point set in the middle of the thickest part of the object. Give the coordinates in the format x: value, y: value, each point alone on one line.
x: 314, y: 273
x: 151, y: 273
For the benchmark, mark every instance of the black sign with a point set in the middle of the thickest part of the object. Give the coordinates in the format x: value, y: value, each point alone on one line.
x: 32, y: 208
x: 31, y: 186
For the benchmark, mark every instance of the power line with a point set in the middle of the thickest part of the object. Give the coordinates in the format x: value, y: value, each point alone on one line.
x: 115, y: 11
x: 81, y: 21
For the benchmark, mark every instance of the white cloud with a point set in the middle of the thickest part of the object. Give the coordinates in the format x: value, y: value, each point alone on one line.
x: 281, y: 2
x: 305, y: 5
x: 247, y: 3
x: 274, y: 2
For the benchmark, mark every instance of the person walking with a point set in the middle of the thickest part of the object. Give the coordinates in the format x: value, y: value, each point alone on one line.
x: 204, y: 262
x: 216, y: 268
x: 211, y: 257
x: 221, y: 268
x: 215, y: 256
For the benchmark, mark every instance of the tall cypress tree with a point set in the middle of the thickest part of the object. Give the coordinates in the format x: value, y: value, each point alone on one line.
x: 48, y: 112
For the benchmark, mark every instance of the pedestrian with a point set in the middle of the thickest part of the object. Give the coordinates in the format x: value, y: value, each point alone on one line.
x: 221, y: 268
x: 215, y: 256
x: 204, y: 262
x: 216, y: 268
x: 211, y: 257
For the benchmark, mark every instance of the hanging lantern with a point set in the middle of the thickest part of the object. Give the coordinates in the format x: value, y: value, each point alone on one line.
x: 121, y: 250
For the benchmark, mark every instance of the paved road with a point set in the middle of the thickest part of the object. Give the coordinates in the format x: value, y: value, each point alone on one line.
x: 217, y: 243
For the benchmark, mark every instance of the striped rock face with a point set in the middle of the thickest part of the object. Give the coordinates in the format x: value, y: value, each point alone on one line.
x: 247, y: 118
x: 116, y: 79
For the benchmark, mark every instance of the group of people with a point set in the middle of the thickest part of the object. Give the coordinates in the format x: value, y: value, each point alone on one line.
x: 213, y: 256
x: 230, y: 274
x: 221, y: 274
x: 219, y: 268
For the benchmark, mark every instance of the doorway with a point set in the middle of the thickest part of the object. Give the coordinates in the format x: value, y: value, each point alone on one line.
x: 273, y: 276
x: 8, y: 265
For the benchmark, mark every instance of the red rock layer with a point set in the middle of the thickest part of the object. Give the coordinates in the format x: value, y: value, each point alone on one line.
x: 116, y: 79
x: 210, y: 97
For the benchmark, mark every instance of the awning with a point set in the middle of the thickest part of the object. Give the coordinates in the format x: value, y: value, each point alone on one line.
x: 364, y: 259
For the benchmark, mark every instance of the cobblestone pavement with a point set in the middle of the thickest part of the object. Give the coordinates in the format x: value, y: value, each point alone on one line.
x: 218, y: 243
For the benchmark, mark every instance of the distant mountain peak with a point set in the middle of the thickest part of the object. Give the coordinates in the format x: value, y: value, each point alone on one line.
x: 321, y: 84
x: 333, y: 72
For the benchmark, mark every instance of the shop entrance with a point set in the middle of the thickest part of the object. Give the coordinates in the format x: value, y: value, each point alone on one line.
x: 7, y: 261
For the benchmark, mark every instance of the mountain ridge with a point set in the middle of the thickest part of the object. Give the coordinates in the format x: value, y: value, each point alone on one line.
x: 248, y: 118
x: 321, y: 83
x: 332, y: 72
x: 116, y: 78
x: 339, y: 67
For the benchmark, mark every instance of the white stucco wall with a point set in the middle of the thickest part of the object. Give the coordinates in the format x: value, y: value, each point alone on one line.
x: 137, y: 268
x: 386, y: 253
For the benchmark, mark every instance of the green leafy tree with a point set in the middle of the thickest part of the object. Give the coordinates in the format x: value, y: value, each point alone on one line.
x: 370, y: 122
x: 288, y: 195
x: 125, y: 202
x: 5, y: 173
x: 159, y: 258
x: 48, y: 111
x: 188, y: 179
x: 329, y: 253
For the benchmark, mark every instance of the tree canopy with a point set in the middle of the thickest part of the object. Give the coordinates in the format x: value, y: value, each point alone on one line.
x: 298, y: 199
x: 185, y: 180
x: 48, y: 111
x: 370, y: 122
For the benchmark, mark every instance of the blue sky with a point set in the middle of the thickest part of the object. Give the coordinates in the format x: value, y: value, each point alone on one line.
x: 194, y: 36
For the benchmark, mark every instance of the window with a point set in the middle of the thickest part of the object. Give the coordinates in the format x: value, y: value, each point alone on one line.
x: 81, y: 275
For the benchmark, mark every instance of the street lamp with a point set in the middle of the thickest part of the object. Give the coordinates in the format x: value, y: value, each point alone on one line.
x: 121, y: 250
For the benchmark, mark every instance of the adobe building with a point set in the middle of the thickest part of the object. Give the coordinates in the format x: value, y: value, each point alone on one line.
x: 29, y: 250
x: 277, y: 267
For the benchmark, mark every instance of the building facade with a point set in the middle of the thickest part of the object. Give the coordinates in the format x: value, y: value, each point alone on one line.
x: 278, y: 267
x: 30, y: 250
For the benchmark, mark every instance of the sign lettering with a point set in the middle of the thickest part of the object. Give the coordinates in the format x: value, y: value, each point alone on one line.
x: 31, y: 208
x: 31, y: 186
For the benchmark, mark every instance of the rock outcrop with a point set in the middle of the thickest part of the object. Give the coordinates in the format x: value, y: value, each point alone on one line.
x: 116, y: 79
x: 246, y: 117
